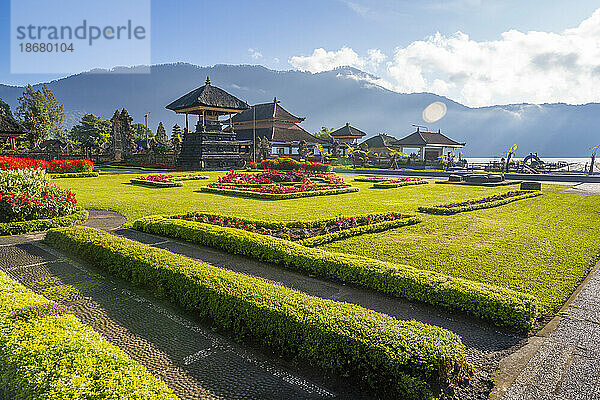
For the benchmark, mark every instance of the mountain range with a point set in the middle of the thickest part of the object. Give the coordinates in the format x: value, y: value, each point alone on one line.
x: 330, y: 99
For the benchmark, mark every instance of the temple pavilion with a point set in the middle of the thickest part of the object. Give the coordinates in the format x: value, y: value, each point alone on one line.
x: 10, y: 129
x: 208, y: 146
x: 279, y: 126
x: 347, y: 135
x: 430, y: 145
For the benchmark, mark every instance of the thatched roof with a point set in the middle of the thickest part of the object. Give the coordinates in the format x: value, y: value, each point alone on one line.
x: 381, y: 140
x: 208, y: 96
x: 420, y: 138
x: 266, y: 111
x: 348, y: 131
x: 8, y: 125
x: 290, y: 134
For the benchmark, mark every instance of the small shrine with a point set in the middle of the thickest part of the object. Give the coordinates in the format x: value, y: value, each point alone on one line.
x: 122, y: 143
x: 208, y: 146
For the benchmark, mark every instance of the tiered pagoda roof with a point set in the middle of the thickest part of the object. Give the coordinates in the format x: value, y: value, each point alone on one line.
x: 207, y: 97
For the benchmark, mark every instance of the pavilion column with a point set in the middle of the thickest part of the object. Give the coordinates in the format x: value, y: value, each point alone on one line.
x: 12, y: 143
x: 187, y: 126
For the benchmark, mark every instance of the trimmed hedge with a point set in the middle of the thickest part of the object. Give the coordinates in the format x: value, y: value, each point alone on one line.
x: 389, y: 185
x: 75, y: 175
x: 36, y: 225
x: 358, y: 230
x: 441, y: 210
x: 145, y: 182
x: 275, y: 196
x: 398, y: 359
x: 501, y: 306
x: 45, y: 354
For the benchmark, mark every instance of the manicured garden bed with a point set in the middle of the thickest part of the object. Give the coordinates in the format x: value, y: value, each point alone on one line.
x: 47, y: 354
x: 91, y: 174
x: 278, y: 185
x: 162, y: 180
x: 501, y: 306
x: 308, y: 233
x: 42, y: 224
x: 399, y: 182
x: 477, y: 204
x: 289, y: 164
x: 398, y: 359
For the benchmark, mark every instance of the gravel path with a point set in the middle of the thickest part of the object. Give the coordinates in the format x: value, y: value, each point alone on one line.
x: 591, y: 189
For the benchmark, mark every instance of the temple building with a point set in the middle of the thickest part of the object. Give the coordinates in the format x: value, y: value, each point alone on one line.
x: 208, y: 146
x: 348, y: 134
x: 381, y: 144
x: 10, y: 129
x: 430, y: 145
x: 280, y: 127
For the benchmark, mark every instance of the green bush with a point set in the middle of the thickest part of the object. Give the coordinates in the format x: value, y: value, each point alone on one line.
x: 277, y: 196
x: 37, y: 225
x: 75, y: 175
x: 48, y: 356
x: 501, y: 306
x: 358, y: 230
x: 397, y: 359
x: 145, y: 182
x: 442, y: 210
x: 391, y: 184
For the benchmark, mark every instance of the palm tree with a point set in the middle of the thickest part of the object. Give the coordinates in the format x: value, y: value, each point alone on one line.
x: 395, y: 154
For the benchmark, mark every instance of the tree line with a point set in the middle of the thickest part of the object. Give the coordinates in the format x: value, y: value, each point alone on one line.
x: 43, y: 117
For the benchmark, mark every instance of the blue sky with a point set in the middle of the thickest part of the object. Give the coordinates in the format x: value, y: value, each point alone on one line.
x: 380, y: 37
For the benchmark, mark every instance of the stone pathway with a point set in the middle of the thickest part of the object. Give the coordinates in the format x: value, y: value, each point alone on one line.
x: 592, y: 189
x: 562, y: 362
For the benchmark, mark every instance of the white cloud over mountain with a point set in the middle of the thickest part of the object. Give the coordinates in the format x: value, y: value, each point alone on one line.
x: 533, y: 67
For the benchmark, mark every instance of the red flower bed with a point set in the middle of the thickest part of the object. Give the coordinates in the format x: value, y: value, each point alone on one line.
x: 289, y: 164
x: 53, y: 167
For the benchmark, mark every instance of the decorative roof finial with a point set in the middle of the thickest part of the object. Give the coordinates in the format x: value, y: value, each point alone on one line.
x: 207, y: 81
x: 275, y: 99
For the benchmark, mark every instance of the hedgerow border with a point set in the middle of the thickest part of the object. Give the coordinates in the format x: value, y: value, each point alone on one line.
x: 89, y: 174
x: 403, y: 359
x: 390, y: 185
x: 441, y: 210
x: 36, y: 225
x: 503, y: 307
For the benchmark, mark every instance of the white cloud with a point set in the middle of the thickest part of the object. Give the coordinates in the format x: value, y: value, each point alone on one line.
x: 255, y: 54
x: 534, y: 67
x: 322, y: 60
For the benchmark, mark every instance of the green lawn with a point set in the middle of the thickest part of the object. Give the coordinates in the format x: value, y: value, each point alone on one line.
x: 543, y: 246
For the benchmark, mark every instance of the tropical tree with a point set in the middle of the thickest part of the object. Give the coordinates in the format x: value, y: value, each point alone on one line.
x: 141, y: 131
x: 324, y: 133
x: 92, y: 131
x: 41, y: 114
x: 5, y: 109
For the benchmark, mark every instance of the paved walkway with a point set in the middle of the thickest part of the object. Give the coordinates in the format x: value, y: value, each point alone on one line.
x: 562, y: 362
x: 592, y: 189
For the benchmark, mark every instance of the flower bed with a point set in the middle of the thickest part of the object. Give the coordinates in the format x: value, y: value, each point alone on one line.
x: 279, y: 185
x: 372, y: 179
x: 28, y: 195
x: 476, y: 204
x: 162, y: 180
x: 48, y: 354
x: 54, y: 167
x: 393, y: 358
x: 311, y: 233
x: 398, y: 183
x: 503, y: 307
x: 289, y: 164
